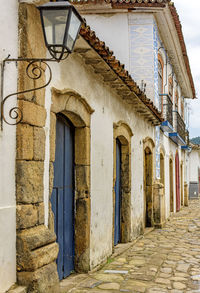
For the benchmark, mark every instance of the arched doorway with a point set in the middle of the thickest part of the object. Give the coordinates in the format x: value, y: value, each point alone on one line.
x: 70, y: 120
x: 181, y: 171
x: 148, y: 182
x: 171, y: 185
x: 162, y: 169
x: 62, y: 199
x: 177, y: 182
x: 148, y: 147
x: 121, y: 183
x: 117, y: 224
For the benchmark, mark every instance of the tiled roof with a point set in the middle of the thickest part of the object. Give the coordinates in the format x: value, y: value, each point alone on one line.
x: 152, y: 3
x: 138, y: 1
x: 183, y: 46
x: 194, y: 146
x: 155, y: 2
x: 118, y: 68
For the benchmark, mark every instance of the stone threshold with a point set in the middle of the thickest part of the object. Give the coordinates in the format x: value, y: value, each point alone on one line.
x: 76, y: 278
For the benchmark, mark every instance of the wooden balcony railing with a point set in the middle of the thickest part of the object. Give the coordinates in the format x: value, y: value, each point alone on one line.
x: 167, y: 108
x: 179, y: 125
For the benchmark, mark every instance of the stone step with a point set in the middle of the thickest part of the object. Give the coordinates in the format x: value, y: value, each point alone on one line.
x: 18, y: 289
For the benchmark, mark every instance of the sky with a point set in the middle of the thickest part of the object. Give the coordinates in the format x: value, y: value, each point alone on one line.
x: 188, y: 11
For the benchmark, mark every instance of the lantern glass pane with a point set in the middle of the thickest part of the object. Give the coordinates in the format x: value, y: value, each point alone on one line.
x: 73, y: 31
x: 54, y: 25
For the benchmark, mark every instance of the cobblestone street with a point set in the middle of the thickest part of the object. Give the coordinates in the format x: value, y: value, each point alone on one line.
x: 166, y: 260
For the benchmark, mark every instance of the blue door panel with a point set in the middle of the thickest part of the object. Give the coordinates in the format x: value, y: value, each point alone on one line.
x: 117, y: 194
x: 60, y: 230
x: 62, y: 198
x: 69, y: 203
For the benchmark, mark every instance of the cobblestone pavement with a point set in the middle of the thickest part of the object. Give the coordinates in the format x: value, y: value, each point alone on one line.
x: 165, y: 260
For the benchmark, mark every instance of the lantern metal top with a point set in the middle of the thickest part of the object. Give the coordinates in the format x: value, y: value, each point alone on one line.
x: 61, y: 24
x: 59, y: 4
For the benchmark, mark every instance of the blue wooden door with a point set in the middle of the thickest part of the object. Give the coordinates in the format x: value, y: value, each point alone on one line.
x: 62, y: 198
x: 117, y: 194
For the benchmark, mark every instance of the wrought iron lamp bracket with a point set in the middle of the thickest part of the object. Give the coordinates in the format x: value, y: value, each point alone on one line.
x: 35, y: 69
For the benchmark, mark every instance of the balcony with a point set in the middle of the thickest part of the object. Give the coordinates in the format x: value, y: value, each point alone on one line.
x: 187, y: 141
x: 179, y: 134
x: 167, y: 113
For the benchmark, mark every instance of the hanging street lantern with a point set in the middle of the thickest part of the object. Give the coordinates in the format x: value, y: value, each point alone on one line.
x: 61, y: 24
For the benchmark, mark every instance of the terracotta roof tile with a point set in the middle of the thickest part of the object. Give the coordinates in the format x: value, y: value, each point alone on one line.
x: 105, y: 53
x: 147, y: 3
x: 138, y: 1
x: 122, y: 1
x: 183, y: 46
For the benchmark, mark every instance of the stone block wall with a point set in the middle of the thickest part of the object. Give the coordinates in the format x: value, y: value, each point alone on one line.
x: 158, y: 205
x: 123, y: 133
x: 186, y: 194
x: 36, y: 244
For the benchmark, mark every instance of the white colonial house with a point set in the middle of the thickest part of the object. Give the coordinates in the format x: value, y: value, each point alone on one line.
x: 194, y: 171
x: 147, y: 37
x: 100, y: 153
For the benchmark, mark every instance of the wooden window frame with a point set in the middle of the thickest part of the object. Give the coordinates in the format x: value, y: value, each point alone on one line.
x: 160, y: 59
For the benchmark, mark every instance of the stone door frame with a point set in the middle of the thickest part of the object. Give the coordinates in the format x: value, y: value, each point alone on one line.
x: 177, y: 177
x: 171, y: 183
x: 123, y: 133
x: 148, y: 148
x: 182, y: 183
x: 162, y: 172
x: 78, y: 111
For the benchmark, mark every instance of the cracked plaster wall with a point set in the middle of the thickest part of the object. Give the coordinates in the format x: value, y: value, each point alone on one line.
x: 109, y: 109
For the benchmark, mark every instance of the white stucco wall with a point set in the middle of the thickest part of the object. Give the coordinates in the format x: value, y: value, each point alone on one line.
x: 113, y: 30
x: 130, y: 36
x: 170, y: 149
x: 194, y: 164
x: 109, y: 109
x: 9, y: 45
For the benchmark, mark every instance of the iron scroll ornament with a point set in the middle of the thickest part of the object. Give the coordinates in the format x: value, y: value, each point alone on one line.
x: 34, y: 70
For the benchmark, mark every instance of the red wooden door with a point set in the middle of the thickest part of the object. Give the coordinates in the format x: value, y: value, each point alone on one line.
x: 178, y: 203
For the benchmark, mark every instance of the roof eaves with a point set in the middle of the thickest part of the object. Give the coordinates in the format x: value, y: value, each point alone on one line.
x: 145, y: 3
x: 178, y: 26
x: 107, y: 55
x: 131, y: 4
x: 194, y: 146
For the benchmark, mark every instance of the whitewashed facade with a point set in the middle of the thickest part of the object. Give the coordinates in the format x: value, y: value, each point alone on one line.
x: 102, y: 108
x: 9, y: 45
x: 194, y: 171
x: 141, y: 37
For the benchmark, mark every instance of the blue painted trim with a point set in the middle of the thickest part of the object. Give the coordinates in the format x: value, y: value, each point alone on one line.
x: 166, y: 126
x: 175, y: 137
x: 185, y: 147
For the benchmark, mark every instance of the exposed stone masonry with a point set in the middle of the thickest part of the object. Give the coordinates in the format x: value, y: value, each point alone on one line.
x: 78, y: 111
x: 37, y: 249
